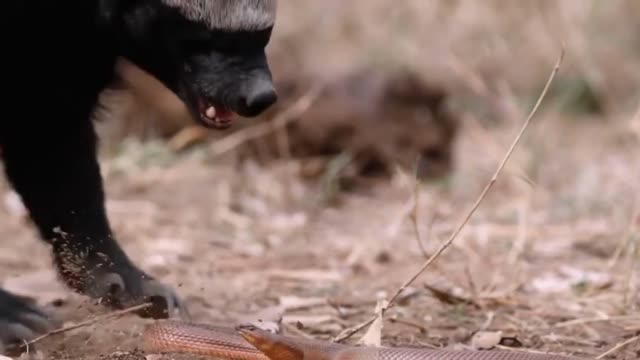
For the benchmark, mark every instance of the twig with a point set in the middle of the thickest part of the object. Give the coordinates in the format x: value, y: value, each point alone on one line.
x: 523, y: 226
x: 629, y: 241
x: 629, y: 294
x: 413, y: 215
x: 350, y: 332
x: 112, y: 315
x: 473, y: 289
x: 618, y: 347
x: 626, y: 238
x: 290, y: 114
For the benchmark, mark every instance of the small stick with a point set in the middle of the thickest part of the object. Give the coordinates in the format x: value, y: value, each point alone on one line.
x: 635, y: 212
x: 109, y: 316
x: 618, y: 347
x: 629, y: 294
x: 473, y: 289
x: 628, y: 233
x: 413, y: 215
x: 523, y: 226
x: 487, y: 187
x: 350, y: 332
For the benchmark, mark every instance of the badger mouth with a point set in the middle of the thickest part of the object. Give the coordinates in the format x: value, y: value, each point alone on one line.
x: 214, y: 115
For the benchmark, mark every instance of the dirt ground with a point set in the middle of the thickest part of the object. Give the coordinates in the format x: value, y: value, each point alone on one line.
x: 548, y: 263
x: 535, y: 262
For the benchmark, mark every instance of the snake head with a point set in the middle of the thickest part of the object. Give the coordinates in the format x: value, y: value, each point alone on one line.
x: 274, y: 346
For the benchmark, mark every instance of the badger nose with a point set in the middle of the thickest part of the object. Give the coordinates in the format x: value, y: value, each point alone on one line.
x: 260, y: 97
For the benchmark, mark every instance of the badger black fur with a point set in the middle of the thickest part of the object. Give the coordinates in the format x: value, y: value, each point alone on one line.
x: 59, y: 56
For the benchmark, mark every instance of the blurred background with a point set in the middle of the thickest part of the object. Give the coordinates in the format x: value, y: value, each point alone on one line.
x: 317, y: 198
x: 401, y: 85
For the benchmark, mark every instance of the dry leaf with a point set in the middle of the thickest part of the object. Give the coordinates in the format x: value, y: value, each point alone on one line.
x: 484, y: 340
x: 373, y: 336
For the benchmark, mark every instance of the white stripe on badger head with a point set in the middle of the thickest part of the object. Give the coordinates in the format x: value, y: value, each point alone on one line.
x: 228, y: 14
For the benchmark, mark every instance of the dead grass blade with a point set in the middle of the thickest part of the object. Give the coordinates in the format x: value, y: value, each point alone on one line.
x: 631, y: 287
x: 350, y: 332
x: 413, y: 215
x: 618, y: 347
x: 626, y: 238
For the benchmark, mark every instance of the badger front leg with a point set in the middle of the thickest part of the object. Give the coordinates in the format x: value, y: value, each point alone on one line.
x: 56, y: 173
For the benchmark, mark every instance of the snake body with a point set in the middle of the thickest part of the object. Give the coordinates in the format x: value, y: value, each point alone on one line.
x: 251, y: 343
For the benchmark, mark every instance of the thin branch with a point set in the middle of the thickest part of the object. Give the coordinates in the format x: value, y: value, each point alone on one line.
x: 630, y: 291
x: 109, y: 316
x: 520, y: 243
x: 488, y: 186
x: 413, y: 215
x: 350, y: 332
x: 618, y: 347
x: 628, y: 233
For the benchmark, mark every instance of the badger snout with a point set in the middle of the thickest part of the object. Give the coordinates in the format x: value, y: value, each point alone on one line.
x: 222, y: 87
x: 256, y: 96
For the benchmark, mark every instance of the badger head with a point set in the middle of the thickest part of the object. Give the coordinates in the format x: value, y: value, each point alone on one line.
x: 210, y: 53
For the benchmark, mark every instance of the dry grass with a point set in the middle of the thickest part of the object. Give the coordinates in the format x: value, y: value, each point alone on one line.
x: 548, y: 262
x: 500, y: 46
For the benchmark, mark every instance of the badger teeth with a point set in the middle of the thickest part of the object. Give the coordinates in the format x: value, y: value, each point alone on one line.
x: 210, y: 112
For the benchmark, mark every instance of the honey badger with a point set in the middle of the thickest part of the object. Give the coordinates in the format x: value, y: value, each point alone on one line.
x: 59, y: 56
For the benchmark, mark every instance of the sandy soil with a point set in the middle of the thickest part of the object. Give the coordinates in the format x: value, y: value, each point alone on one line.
x: 535, y: 262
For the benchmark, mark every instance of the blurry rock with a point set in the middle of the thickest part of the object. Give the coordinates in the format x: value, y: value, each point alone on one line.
x: 483, y: 340
x: 382, y: 120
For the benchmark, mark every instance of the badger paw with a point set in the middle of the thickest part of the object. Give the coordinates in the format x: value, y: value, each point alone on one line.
x: 117, y: 283
x: 123, y: 287
x: 20, y: 321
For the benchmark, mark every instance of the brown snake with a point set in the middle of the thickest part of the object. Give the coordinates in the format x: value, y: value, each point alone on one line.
x: 251, y: 343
